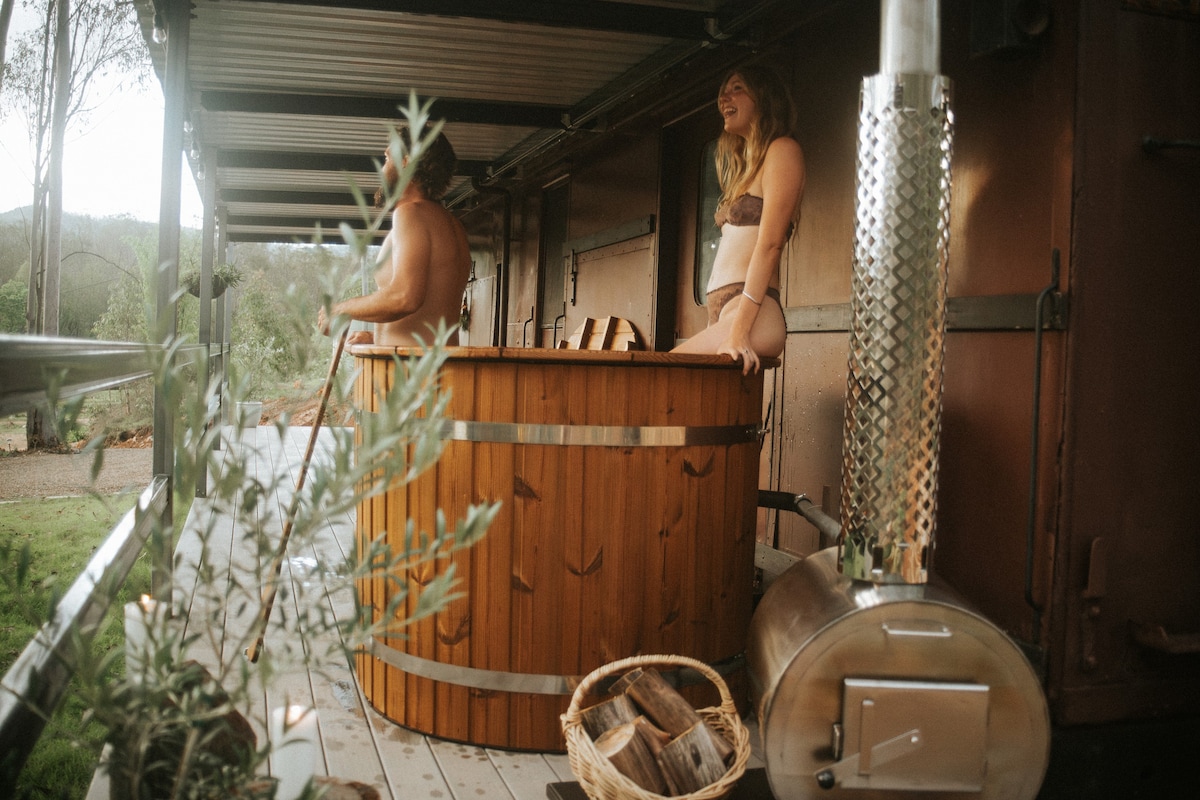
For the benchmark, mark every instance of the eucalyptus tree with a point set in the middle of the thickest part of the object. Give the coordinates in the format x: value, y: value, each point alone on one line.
x: 6, y: 9
x: 53, y: 79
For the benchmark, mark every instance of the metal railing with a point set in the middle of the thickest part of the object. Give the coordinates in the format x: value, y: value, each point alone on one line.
x: 39, y: 371
x: 34, y: 367
x: 37, y: 681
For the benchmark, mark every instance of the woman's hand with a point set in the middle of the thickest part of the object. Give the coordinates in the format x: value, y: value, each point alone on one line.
x: 361, y: 337
x: 737, y: 346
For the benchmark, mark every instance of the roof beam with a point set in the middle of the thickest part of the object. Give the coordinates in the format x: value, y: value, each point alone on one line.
x: 324, y: 162
x: 289, y: 228
x: 673, y: 23
x: 328, y: 236
x: 327, y: 223
x: 469, y: 111
x: 281, y: 197
x: 316, y: 162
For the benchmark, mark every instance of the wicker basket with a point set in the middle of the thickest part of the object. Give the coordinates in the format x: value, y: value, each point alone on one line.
x: 601, y: 780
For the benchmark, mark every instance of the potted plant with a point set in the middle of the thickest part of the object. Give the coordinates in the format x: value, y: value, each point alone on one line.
x: 224, y: 276
x: 175, y: 729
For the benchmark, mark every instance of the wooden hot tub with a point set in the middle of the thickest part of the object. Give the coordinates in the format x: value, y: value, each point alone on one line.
x: 628, y: 483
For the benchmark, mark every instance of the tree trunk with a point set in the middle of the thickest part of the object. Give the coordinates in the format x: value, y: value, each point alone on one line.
x: 58, y: 132
x: 6, y: 9
x: 39, y: 432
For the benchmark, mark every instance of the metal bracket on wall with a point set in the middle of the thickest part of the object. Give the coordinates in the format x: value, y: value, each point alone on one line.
x: 1008, y: 312
x: 1155, y: 144
x: 1156, y: 637
x: 618, y: 233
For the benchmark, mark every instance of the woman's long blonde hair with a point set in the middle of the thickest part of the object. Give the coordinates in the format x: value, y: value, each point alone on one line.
x: 740, y: 159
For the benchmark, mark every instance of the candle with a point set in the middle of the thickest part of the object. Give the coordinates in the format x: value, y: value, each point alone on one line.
x: 293, y: 749
x: 909, y: 37
x: 142, y: 629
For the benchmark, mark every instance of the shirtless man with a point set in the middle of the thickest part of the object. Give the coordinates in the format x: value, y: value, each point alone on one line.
x: 424, y: 262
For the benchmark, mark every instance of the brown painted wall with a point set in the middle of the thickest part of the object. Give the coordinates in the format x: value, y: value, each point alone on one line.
x: 1011, y: 207
x: 1046, y: 158
x: 1131, y: 476
x: 1011, y: 204
x: 619, y: 187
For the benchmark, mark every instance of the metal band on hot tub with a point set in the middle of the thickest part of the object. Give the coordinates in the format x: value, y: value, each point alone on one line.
x: 521, y: 682
x: 598, y: 435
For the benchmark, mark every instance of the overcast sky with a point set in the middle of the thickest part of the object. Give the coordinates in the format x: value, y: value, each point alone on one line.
x: 112, y: 167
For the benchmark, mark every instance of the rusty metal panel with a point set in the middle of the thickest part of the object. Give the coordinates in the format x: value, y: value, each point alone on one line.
x: 986, y: 435
x: 617, y: 281
x: 1132, y: 431
x: 810, y: 436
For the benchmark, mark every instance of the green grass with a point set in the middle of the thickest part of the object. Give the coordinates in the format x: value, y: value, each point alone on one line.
x: 61, y: 536
x: 12, y: 433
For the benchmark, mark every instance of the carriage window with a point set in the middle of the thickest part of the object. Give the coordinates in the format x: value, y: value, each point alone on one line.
x: 708, y: 235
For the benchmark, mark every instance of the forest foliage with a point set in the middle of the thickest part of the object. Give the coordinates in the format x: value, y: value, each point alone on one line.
x: 108, y: 267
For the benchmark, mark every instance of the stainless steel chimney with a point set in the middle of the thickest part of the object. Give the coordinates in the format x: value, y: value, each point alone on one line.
x: 898, y: 304
x: 870, y: 680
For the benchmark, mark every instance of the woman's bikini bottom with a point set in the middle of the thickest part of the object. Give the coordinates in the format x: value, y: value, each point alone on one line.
x: 718, y: 298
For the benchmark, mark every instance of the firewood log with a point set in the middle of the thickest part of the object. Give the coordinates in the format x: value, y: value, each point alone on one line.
x: 607, y: 715
x: 627, y: 751
x: 669, y: 710
x: 690, y: 761
x: 622, y: 683
x: 655, y: 737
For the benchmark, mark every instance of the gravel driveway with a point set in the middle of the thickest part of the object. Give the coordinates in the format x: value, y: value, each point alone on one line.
x: 31, y: 475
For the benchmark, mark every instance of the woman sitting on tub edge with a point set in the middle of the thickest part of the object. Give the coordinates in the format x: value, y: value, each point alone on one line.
x: 761, y: 170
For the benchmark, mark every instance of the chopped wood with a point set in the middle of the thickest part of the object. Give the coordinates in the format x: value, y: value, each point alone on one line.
x: 655, y: 737
x: 627, y: 751
x: 670, y: 711
x: 622, y: 683
x: 691, y: 761
x: 607, y: 715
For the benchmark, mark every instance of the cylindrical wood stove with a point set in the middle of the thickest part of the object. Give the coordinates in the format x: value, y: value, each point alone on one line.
x: 628, y: 485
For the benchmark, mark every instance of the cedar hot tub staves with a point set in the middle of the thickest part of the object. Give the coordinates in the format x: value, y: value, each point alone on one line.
x: 627, y: 484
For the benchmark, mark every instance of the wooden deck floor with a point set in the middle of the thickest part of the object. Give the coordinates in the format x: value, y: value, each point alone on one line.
x: 357, y: 743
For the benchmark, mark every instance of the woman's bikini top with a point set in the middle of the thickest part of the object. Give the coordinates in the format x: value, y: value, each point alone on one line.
x: 745, y: 210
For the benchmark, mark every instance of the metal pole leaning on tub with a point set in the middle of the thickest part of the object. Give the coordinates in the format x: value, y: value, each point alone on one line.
x: 272, y: 587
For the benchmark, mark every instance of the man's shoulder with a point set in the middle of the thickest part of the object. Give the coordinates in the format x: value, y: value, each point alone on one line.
x: 420, y: 209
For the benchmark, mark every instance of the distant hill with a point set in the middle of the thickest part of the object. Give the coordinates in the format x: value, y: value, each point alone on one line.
x: 16, y: 215
x: 21, y: 215
x: 97, y: 253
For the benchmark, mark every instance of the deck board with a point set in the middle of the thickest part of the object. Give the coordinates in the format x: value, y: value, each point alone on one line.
x: 357, y: 743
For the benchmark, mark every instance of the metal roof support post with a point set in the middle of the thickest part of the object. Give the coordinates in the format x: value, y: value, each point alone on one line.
x: 208, y: 246
x: 166, y: 318
x: 224, y: 317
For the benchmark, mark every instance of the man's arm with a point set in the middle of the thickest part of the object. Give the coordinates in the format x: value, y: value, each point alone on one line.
x: 404, y: 292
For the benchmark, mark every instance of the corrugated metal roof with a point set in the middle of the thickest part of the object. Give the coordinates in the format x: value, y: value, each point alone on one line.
x: 292, y: 97
x: 337, y: 51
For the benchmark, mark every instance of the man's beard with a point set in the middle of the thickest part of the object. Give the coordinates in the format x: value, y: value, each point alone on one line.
x: 390, y: 176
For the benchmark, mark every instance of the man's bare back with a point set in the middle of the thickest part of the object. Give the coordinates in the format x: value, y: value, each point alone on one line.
x: 423, y: 266
x: 426, y: 273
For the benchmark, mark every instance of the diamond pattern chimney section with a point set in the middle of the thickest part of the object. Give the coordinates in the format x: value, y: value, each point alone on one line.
x: 898, y: 304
